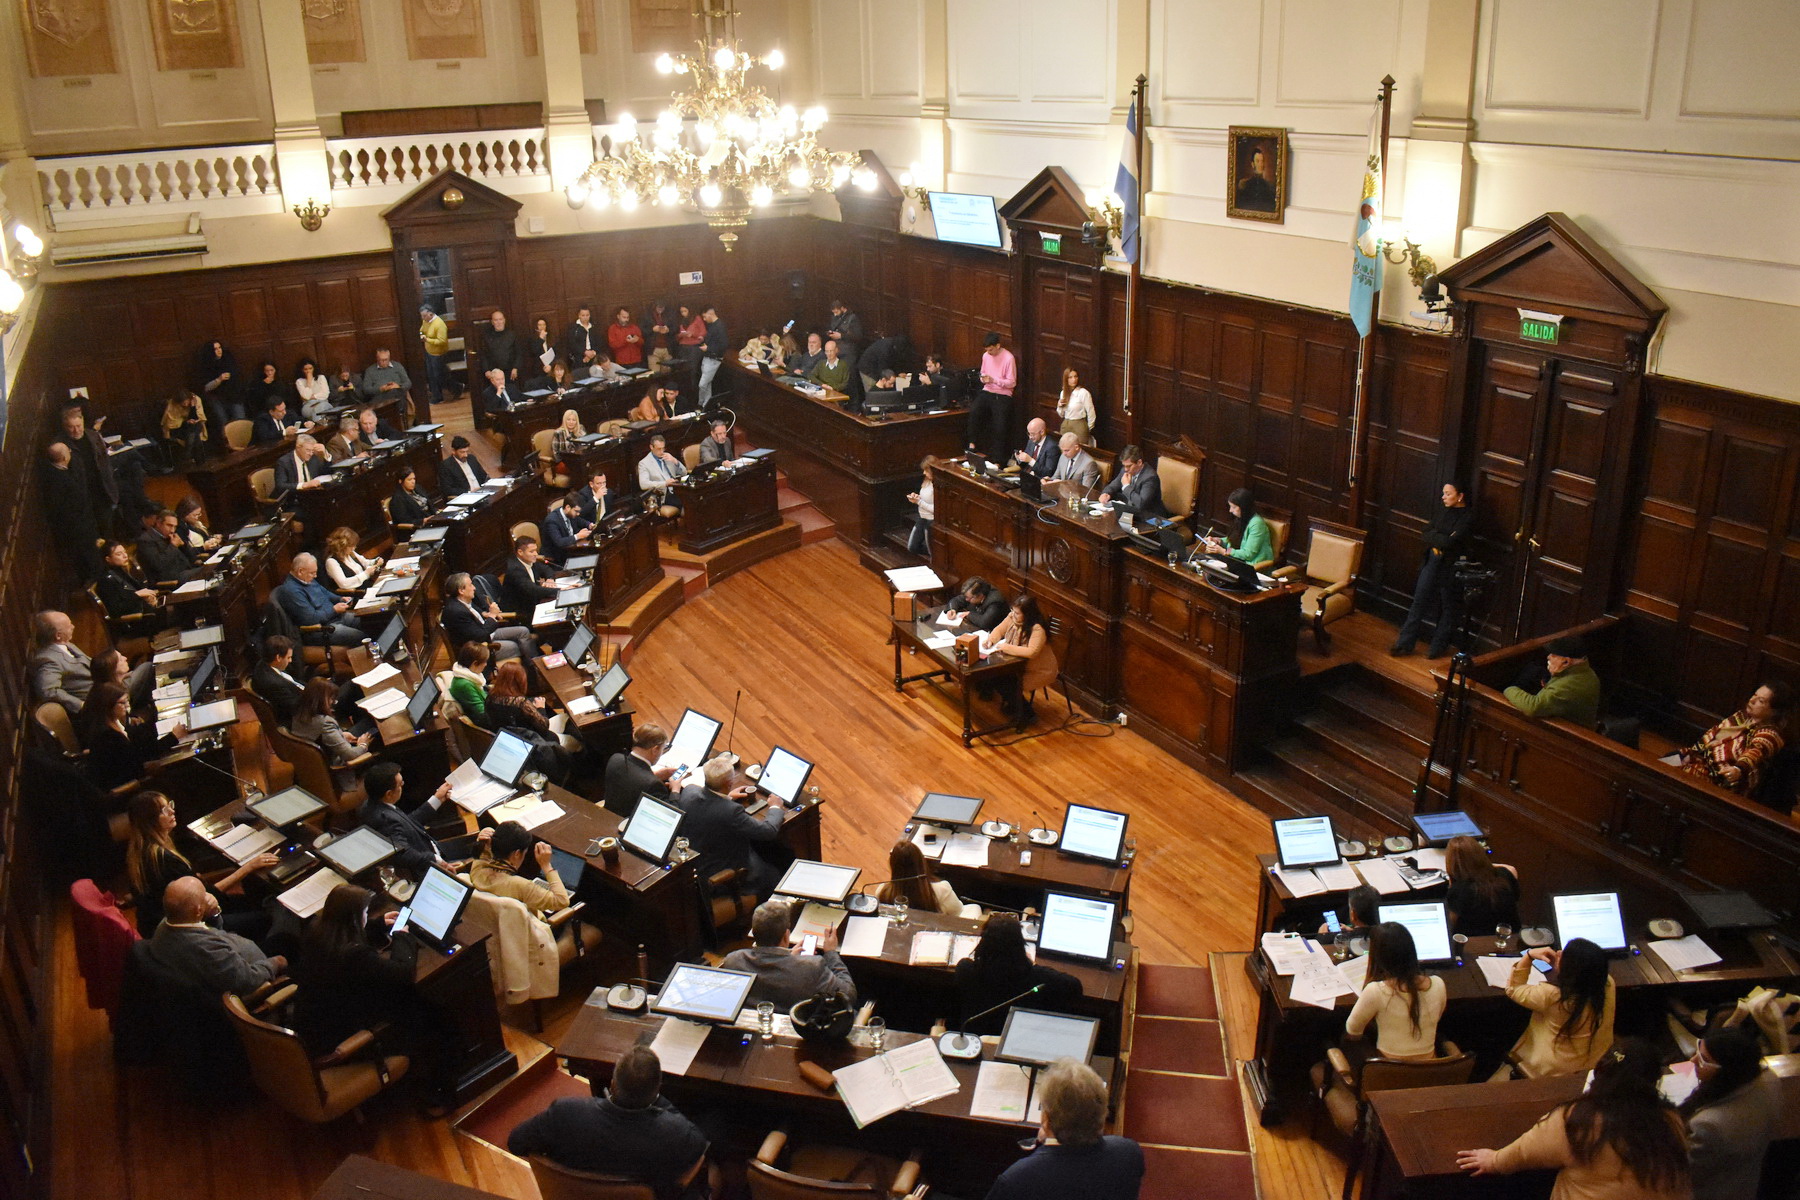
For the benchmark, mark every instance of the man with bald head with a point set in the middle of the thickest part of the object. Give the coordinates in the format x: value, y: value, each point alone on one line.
x: 306, y: 601
x: 76, y: 530
x: 216, y: 961
x: 1039, y: 455
x: 1075, y: 463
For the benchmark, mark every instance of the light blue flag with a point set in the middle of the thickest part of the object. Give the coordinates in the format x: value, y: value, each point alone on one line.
x: 1125, y: 184
x: 1365, y: 271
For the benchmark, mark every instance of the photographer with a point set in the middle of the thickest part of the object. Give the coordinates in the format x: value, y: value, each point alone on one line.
x: 1436, y: 591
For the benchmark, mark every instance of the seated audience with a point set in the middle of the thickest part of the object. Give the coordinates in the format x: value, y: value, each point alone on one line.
x: 1482, y: 894
x: 384, y: 378
x: 630, y: 776
x: 408, y: 506
x: 1564, y: 685
x: 1135, y: 487
x: 346, y: 389
x: 160, y: 553
x: 461, y: 472
x: 122, y: 593
x: 1364, y: 905
x: 630, y: 1131
x: 658, y: 472
x: 1399, y: 997
x: 999, y: 970
x: 313, y: 722
x: 1249, y: 540
x: 1732, y: 1116
x: 302, y: 467
x: 497, y: 871
x: 213, y: 960
x: 784, y: 977
x: 184, y: 427
x: 60, y: 670
x: 271, y: 425
x: 380, y: 811
x: 659, y: 404
x: 119, y: 746
x: 831, y: 371
x: 1073, y: 1159
x: 565, y: 531
x: 1734, y: 753
x: 345, y: 565
x: 602, y: 367
x: 912, y: 883
x: 555, y: 379
x: 312, y: 388
x: 984, y: 603
x: 1039, y: 455
x: 802, y: 364
x: 1023, y: 634
x: 522, y: 585
x: 307, y: 602
x: 1075, y: 463
x: 1619, y: 1140
x: 468, y: 682
x: 762, y: 347
x: 265, y: 390
x: 465, y: 623
x: 717, y: 447
x: 152, y: 863
x: 273, y: 680
x: 725, y: 836
x: 1571, y: 1019
x: 565, y: 442
x: 372, y: 427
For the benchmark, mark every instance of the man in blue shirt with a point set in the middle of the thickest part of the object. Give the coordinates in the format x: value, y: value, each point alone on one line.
x: 308, y: 602
x: 1073, y: 1161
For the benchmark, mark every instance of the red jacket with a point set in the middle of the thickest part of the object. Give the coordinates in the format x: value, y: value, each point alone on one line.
x: 103, y: 939
x: 625, y: 352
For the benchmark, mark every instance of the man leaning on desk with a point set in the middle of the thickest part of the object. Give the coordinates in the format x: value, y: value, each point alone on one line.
x: 724, y: 835
x: 1135, y: 488
x: 382, y: 785
x: 629, y: 776
x: 784, y: 978
x: 986, y: 604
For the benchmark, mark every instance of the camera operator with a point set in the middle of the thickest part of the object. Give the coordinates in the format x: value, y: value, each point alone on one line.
x: 1437, y: 593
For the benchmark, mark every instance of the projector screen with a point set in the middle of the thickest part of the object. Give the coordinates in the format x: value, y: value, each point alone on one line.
x: 967, y: 220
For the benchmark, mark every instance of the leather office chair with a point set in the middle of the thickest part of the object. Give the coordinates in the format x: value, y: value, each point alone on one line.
x: 262, y: 486
x: 526, y: 529
x: 314, y: 1089
x: 313, y: 773
x: 478, y: 740
x: 1278, y: 538
x: 56, y: 729
x: 730, y: 901
x: 1180, y: 482
x: 238, y: 434
x: 1333, y: 557
x: 690, y: 455
x: 1347, y: 1094
x: 783, y: 1172
x: 540, y: 441
x: 556, y: 1182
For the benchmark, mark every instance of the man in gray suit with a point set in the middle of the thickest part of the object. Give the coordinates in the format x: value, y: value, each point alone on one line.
x: 1076, y: 463
x: 60, y: 670
x: 210, y: 958
x: 783, y: 977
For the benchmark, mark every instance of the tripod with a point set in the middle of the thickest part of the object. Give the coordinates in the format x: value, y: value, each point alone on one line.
x: 1450, y: 734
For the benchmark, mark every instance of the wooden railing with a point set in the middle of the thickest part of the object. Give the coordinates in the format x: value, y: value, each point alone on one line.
x: 497, y: 158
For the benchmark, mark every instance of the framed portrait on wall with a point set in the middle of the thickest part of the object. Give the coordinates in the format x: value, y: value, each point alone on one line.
x: 1256, y: 163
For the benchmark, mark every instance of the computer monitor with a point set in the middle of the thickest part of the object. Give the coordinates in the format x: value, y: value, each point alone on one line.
x: 1077, y: 926
x: 356, y: 852
x: 1094, y: 833
x: 611, y: 685
x: 397, y: 584
x: 250, y: 533
x: 1437, y: 828
x: 784, y: 774
x: 693, y: 741
x: 579, y: 643
x: 1429, y: 927
x: 436, y: 906
x: 1591, y: 915
x: 1039, y: 1038
x: 1306, y: 842
x: 575, y: 597
x: 941, y: 808
x: 289, y: 806
x: 428, y: 536
x: 212, y: 716
x: 506, y: 758
x: 423, y: 703
x: 199, y: 639
x: 203, y: 674
x: 390, y: 637
x: 652, y: 829
x: 703, y: 993
x: 818, y: 881
x: 581, y: 562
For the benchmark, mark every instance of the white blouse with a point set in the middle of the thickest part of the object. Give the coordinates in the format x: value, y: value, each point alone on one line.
x: 317, y: 388
x: 350, y: 573
x: 1078, y: 405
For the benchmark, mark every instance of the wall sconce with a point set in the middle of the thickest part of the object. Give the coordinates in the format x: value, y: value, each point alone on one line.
x: 1106, y: 220
x: 312, y: 214
x: 1420, y: 268
x: 12, y: 298
x: 917, y: 194
x: 28, y: 251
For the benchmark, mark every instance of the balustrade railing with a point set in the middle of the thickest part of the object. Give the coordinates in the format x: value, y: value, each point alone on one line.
x: 148, y: 179
x: 493, y: 157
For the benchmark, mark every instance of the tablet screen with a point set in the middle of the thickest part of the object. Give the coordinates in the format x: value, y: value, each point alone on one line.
x: 1429, y: 928
x: 356, y: 851
x: 611, y: 686
x: 506, y: 758
x: 1592, y: 915
x: 784, y: 774
x: 704, y: 993
x: 211, y: 716
x: 423, y: 702
x: 203, y: 674
x: 1034, y: 1036
x: 576, y: 648
x: 1094, y: 833
x: 693, y: 741
x: 652, y: 828
x: 390, y: 637
x: 1079, y: 926
x: 437, y: 904
x: 1305, y: 842
x: 941, y: 808
x: 206, y: 635
x: 582, y: 562
x: 575, y: 596
x: 818, y: 881
x: 1439, y: 827
x: 288, y: 806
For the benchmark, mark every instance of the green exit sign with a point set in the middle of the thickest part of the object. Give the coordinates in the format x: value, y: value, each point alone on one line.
x: 1052, y: 243
x: 1540, y: 327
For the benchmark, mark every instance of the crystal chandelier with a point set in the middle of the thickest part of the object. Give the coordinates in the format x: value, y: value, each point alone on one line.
x: 741, y: 152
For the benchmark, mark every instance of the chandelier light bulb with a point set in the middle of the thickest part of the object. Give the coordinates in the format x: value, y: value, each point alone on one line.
x: 669, y: 194
x: 577, y: 194
x: 724, y: 59
x: 705, y: 132
x: 30, y: 244
x: 710, y: 195
x: 840, y: 175
x: 665, y: 64
x: 775, y: 59
x: 865, y: 179
x: 812, y: 118
x: 600, y: 199
x: 628, y: 201
x: 627, y: 126
x: 800, y: 177
x: 761, y: 195
x: 12, y: 293
x: 668, y: 119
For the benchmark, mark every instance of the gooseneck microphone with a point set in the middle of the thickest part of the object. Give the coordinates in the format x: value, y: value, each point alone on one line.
x: 732, y: 731
x: 960, y: 1044
x: 863, y: 904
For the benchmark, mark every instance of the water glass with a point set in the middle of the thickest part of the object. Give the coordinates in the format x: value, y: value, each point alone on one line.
x: 877, y: 1034
x: 681, y: 849
x: 902, y: 914
x: 765, y: 1020
x: 1502, y: 937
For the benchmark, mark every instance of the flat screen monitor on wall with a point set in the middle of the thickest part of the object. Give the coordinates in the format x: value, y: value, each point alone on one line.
x: 965, y: 219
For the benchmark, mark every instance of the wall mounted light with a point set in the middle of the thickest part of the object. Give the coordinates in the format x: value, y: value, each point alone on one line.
x: 1420, y: 267
x: 312, y: 214
x: 1106, y: 219
x: 28, y: 250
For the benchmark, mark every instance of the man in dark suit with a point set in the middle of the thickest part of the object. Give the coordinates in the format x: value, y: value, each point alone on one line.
x: 717, y: 447
x: 373, y: 429
x: 160, y: 553
x: 986, y: 604
x: 122, y: 593
x: 724, y: 835
x: 465, y: 623
x: 581, y: 343
x: 846, y: 329
x: 629, y: 776
x: 211, y: 959
x: 595, y: 500
x: 76, y: 531
x: 270, y: 426
x: 460, y: 472
x: 89, y: 459
x: 382, y: 787
x: 1135, y: 488
x: 521, y: 587
x: 630, y: 1131
x: 1039, y: 454
x: 300, y: 468
x: 272, y: 681
x: 500, y: 348
x: 565, y: 531
x: 498, y: 396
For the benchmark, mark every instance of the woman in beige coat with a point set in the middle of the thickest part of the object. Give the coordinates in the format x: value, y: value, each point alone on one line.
x: 1023, y: 634
x: 1571, y: 1019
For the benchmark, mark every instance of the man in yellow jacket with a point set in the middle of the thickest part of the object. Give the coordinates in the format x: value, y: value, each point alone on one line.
x: 436, y: 336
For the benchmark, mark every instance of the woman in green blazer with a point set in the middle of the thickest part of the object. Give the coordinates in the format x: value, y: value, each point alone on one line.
x: 1249, y: 539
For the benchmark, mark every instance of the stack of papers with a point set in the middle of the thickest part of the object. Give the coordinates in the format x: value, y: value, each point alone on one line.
x: 940, y: 641
x: 383, y: 704
x: 677, y: 1042
x: 941, y: 948
x: 497, y: 484
x: 541, y: 813
x: 1301, y: 882
x: 1288, y: 952
x: 1496, y: 969
x: 1319, y: 983
x: 547, y: 613
x: 308, y: 896
x: 1341, y: 878
x: 1379, y: 874
x: 375, y: 676
x: 864, y: 937
x: 193, y: 587
x: 580, y: 706
x: 1685, y: 953
x: 914, y: 579
x: 475, y: 791
x: 817, y: 920
x: 241, y: 843
x: 966, y: 850
x: 1355, y: 972
x: 1003, y: 1093
x: 914, y: 1074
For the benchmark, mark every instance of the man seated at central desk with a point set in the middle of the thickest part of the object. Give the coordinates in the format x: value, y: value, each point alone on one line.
x: 658, y: 472
x: 726, y: 837
x: 1076, y: 463
x: 461, y: 472
x: 1135, y: 488
x: 717, y: 447
x: 784, y: 978
x: 1040, y: 455
x: 499, y: 396
x: 522, y: 586
x: 986, y: 604
x: 832, y: 371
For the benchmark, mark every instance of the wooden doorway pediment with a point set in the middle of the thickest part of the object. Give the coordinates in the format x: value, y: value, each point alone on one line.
x: 879, y: 207
x: 1052, y: 203
x: 434, y: 203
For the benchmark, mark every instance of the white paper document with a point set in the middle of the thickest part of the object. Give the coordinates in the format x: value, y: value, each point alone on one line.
x: 1679, y: 1083
x: 383, y: 704
x: 1287, y: 952
x: 1429, y: 858
x: 174, y: 692
x: 1002, y: 1092
x: 244, y: 842
x: 914, y: 579
x: 308, y: 896
x: 193, y: 587
x: 1685, y: 953
x: 1319, y: 983
x: 580, y: 706
x: 864, y: 937
x: 397, y: 566
x: 1341, y: 878
x: 934, y: 850
x: 1496, y: 969
x: 467, y: 499
x: 966, y: 850
x: 547, y: 613
x: 817, y: 920
x: 376, y: 676
x: 1355, y: 971
x: 940, y: 641
x: 1301, y: 882
x: 474, y: 791
x: 677, y: 1042
x: 950, y: 620
x: 914, y: 1074
x: 1379, y: 874
x: 541, y: 813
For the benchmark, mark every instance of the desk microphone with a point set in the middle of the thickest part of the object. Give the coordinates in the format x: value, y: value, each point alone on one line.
x: 1043, y: 826
x: 733, y: 729
x: 864, y: 904
x: 961, y: 1045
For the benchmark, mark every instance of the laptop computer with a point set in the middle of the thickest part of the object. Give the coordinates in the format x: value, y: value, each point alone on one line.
x: 1591, y: 915
x: 1078, y: 927
x: 1429, y: 926
x: 651, y: 831
x: 1302, y: 842
x: 436, y: 906
x: 705, y: 994
x: 1229, y: 574
x: 1094, y: 833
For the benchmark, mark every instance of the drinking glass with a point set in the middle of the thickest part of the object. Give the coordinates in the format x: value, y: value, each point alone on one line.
x: 765, y: 1020
x: 877, y: 1034
x: 1502, y: 937
x: 1462, y: 944
x: 681, y: 849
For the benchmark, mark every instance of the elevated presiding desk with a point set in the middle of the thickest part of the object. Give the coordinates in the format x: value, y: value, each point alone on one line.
x: 726, y: 504
x: 856, y: 468
x: 1204, y: 671
x: 594, y: 401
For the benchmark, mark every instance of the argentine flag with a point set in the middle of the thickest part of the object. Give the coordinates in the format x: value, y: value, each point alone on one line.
x: 1365, y: 271
x: 1125, y: 184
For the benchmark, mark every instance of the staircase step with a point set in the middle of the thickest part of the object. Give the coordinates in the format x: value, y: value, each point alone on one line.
x: 692, y: 576
x: 786, y: 498
x: 1375, y: 707
x: 814, y: 525
x: 1366, y: 804
x: 1375, y: 755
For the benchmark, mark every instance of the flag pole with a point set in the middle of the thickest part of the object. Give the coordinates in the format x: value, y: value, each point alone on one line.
x: 1365, y: 347
x: 1131, y: 280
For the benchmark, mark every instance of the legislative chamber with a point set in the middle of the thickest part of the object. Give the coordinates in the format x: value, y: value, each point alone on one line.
x: 715, y: 598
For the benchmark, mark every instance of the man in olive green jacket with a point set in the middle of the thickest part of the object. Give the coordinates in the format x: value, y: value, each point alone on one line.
x: 1572, y: 691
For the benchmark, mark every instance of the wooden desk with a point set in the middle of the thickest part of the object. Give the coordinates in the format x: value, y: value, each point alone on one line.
x: 480, y: 537
x: 617, y: 457
x: 727, y: 505
x: 630, y: 565
x: 224, y: 482
x: 237, y: 595
x: 462, y: 985
x: 354, y: 499
x: 594, y: 401
x: 738, y: 1073
x: 858, y: 470
x: 604, y: 733
x: 360, y: 1178
x: 942, y: 664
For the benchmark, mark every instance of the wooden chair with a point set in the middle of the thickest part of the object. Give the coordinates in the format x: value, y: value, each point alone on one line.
x: 1278, y: 538
x: 783, y: 1172
x: 131, y: 632
x: 541, y: 442
x: 238, y: 434
x: 1333, y: 557
x: 57, y: 730
x: 556, y: 1182
x: 1053, y: 627
x: 314, y: 1089
x: 1347, y: 1094
x: 1180, y: 482
x: 262, y: 486
x: 313, y: 773
x: 731, y: 900
x: 478, y: 740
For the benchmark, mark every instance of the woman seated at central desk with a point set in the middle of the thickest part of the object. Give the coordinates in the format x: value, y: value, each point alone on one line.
x: 999, y: 970
x: 556, y: 380
x: 1250, y: 540
x: 912, y: 883
x: 1399, y: 997
x: 345, y: 565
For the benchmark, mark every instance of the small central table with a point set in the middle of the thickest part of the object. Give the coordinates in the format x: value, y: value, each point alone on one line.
x: 915, y: 635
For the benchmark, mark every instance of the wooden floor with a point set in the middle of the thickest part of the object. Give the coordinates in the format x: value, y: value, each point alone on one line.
x: 803, y: 636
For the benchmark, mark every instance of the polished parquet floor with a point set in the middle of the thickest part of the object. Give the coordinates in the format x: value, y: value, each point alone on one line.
x: 803, y: 636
